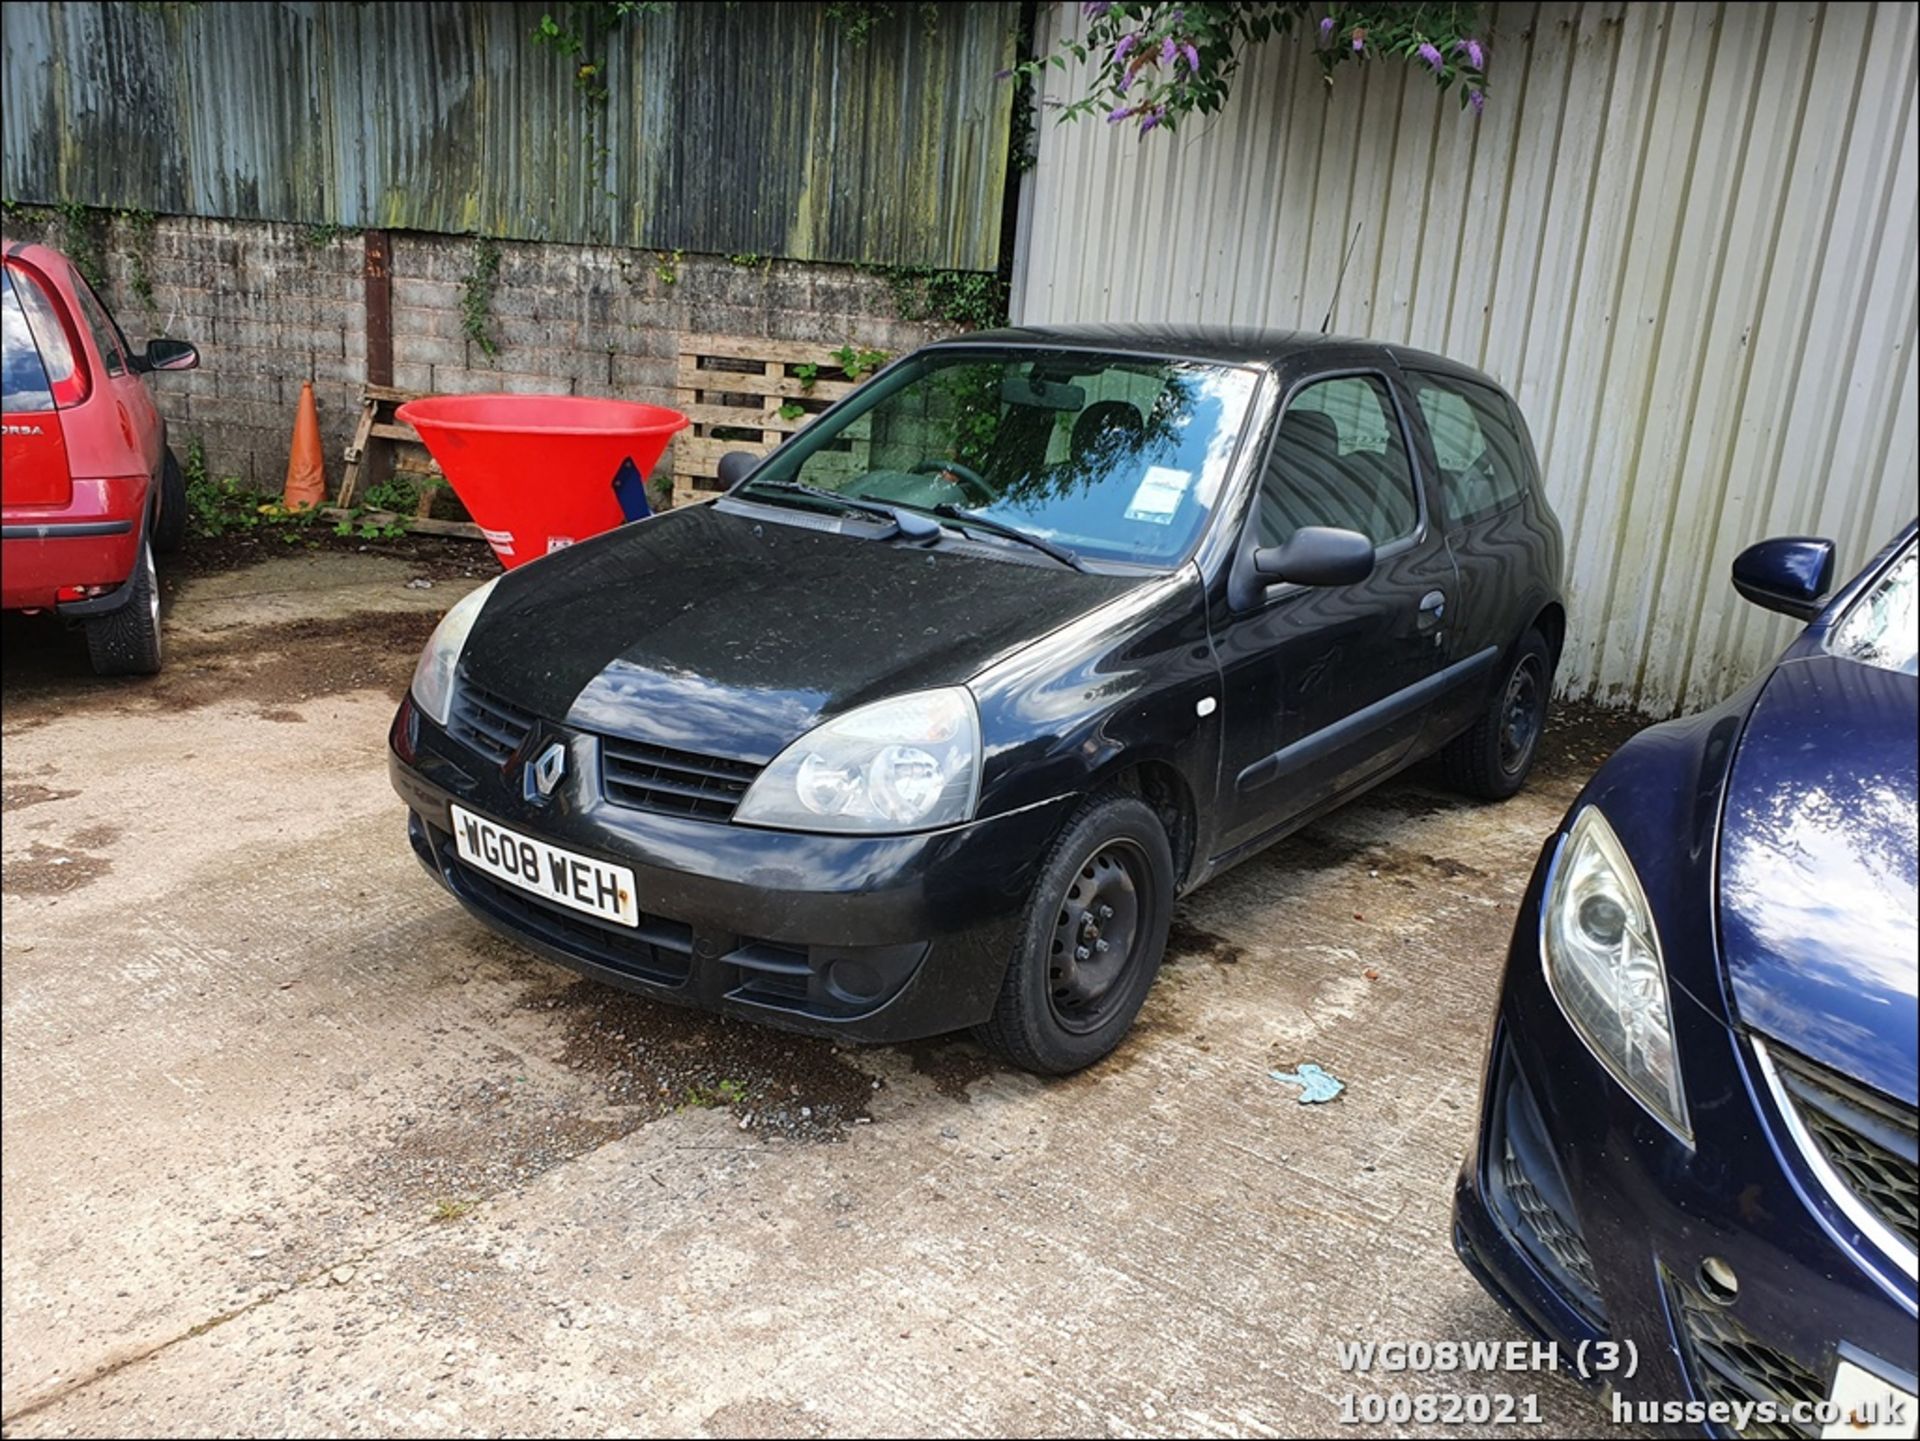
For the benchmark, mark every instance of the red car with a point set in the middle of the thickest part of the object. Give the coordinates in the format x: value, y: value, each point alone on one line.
x: 88, y: 488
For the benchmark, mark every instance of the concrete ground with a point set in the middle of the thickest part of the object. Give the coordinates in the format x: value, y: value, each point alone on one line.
x: 291, y: 1146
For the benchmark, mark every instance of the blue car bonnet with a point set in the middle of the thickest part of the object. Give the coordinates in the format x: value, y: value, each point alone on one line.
x: 1818, y: 919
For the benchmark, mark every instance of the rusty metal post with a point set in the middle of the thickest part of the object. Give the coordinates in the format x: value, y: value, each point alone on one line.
x: 379, y: 274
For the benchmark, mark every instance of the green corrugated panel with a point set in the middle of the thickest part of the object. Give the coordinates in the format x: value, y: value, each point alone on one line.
x: 727, y: 127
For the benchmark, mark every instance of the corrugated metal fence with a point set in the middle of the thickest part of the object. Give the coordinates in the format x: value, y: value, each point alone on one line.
x: 725, y: 128
x: 1684, y: 235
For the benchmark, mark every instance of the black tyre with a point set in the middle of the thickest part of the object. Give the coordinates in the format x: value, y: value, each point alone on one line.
x: 127, y: 641
x: 1091, y: 941
x: 169, y: 526
x: 1493, y: 758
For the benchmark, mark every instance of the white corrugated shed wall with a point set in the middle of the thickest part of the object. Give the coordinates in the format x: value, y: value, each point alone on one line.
x: 1683, y: 235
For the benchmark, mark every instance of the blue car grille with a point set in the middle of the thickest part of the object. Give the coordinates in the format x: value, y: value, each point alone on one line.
x: 1729, y: 1363
x: 672, y: 782
x: 489, y: 724
x: 1868, y: 1140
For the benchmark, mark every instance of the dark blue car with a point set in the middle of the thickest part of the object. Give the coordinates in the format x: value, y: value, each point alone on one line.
x: 1697, y: 1138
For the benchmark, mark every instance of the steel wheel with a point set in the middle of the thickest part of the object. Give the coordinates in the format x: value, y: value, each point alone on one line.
x: 1098, y: 937
x: 1522, y: 714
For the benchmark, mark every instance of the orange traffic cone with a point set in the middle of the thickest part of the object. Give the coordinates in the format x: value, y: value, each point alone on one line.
x: 306, y: 467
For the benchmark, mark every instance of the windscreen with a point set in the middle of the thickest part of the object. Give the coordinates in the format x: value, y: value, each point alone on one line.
x: 1112, y: 457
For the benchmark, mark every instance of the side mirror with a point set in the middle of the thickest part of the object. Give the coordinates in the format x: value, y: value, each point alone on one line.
x: 1789, y: 574
x: 1317, y: 555
x: 167, y: 355
x: 735, y: 466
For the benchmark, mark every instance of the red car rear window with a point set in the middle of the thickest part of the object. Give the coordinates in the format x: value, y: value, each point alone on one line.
x: 44, y: 334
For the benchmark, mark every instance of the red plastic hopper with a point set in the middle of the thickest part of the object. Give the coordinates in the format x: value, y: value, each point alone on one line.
x: 537, y: 472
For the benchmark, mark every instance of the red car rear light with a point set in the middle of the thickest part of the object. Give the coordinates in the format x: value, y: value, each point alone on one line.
x: 80, y: 592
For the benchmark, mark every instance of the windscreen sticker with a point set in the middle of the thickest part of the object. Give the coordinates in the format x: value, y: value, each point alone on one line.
x: 1159, y: 494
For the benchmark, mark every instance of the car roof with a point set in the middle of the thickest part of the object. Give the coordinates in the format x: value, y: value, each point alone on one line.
x: 1227, y: 345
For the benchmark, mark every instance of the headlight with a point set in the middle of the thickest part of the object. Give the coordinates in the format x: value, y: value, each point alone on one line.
x: 1603, y: 964
x: 907, y: 764
x: 433, y: 676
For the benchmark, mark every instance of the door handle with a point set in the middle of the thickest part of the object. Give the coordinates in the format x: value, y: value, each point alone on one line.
x: 1433, y: 609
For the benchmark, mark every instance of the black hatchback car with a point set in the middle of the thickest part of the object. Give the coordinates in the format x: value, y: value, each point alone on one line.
x: 928, y: 719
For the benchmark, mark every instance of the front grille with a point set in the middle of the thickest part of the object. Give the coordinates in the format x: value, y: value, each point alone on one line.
x: 1555, y: 1237
x: 494, y: 727
x: 657, y: 950
x: 1729, y: 1363
x: 678, y: 783
x: 1870, y: 1141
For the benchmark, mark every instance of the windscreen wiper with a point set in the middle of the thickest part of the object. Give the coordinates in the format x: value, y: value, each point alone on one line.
x: 949, y: 511
x: 906, y: 522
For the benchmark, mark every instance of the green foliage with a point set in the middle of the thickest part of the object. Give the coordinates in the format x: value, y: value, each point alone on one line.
x: 806, y: 374
x: 320, y: 237
x: 83, y: 235
x: 224, y: 506
x: 966, y: 299
x: 792, y: 410
x: 579, y: 32
x: 476, y: 296
x: 725, y: 1093
x: 666, y: 267
x: 856, y: 361
x: 1155, y: 63
x: 140, y: 225
x: 746, y: 259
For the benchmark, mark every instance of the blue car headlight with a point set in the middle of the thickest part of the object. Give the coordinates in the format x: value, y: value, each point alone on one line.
x: 1602, y: 957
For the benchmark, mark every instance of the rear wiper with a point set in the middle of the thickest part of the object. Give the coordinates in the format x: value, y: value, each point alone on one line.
x: 949, y: 511
x: 905, y: 522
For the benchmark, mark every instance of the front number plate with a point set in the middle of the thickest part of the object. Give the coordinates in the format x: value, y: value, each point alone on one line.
x: 564, y: 877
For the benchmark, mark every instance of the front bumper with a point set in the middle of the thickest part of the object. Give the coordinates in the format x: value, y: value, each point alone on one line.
x: 93, y: 540
x: 1588, y: 1221
x: 884, y: 938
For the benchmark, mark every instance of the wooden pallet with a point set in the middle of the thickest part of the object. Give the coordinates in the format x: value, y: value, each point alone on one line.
x: 732, y: 388
x: 384, y: 446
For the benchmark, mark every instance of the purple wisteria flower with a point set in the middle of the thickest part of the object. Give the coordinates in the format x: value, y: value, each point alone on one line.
x: 1475, y: 52
x: 1125, y: 47
x: 1153, y: 117
x: 1118, y: 113
x: 1168, y: 50
x: 1193, y: 57
x: 1477, y: 99
x: 1430, y: 53
x: 1326, y: 28
x: 1359, y: 42
x: 1096, y: 8
x: 1126, y: 79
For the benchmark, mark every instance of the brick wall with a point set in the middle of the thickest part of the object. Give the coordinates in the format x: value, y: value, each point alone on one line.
x: 272, y: 305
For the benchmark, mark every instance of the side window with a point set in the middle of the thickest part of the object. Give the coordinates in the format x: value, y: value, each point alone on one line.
x: 106, y: 335
x: 1478, y: 441
x: 1338, y: 459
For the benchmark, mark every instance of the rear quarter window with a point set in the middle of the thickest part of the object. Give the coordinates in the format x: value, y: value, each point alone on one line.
x: 1481, y: 446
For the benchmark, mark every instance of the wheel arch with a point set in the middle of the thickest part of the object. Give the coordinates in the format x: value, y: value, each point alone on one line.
x: 1161, y: 786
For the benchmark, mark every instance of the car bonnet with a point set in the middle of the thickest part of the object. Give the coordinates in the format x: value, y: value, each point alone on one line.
x: 725, y: 635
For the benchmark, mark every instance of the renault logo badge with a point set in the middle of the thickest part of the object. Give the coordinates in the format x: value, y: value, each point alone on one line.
x: 545, y: 773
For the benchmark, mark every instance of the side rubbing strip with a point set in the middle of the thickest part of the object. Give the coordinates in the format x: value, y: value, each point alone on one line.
x: 1384, y: 711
